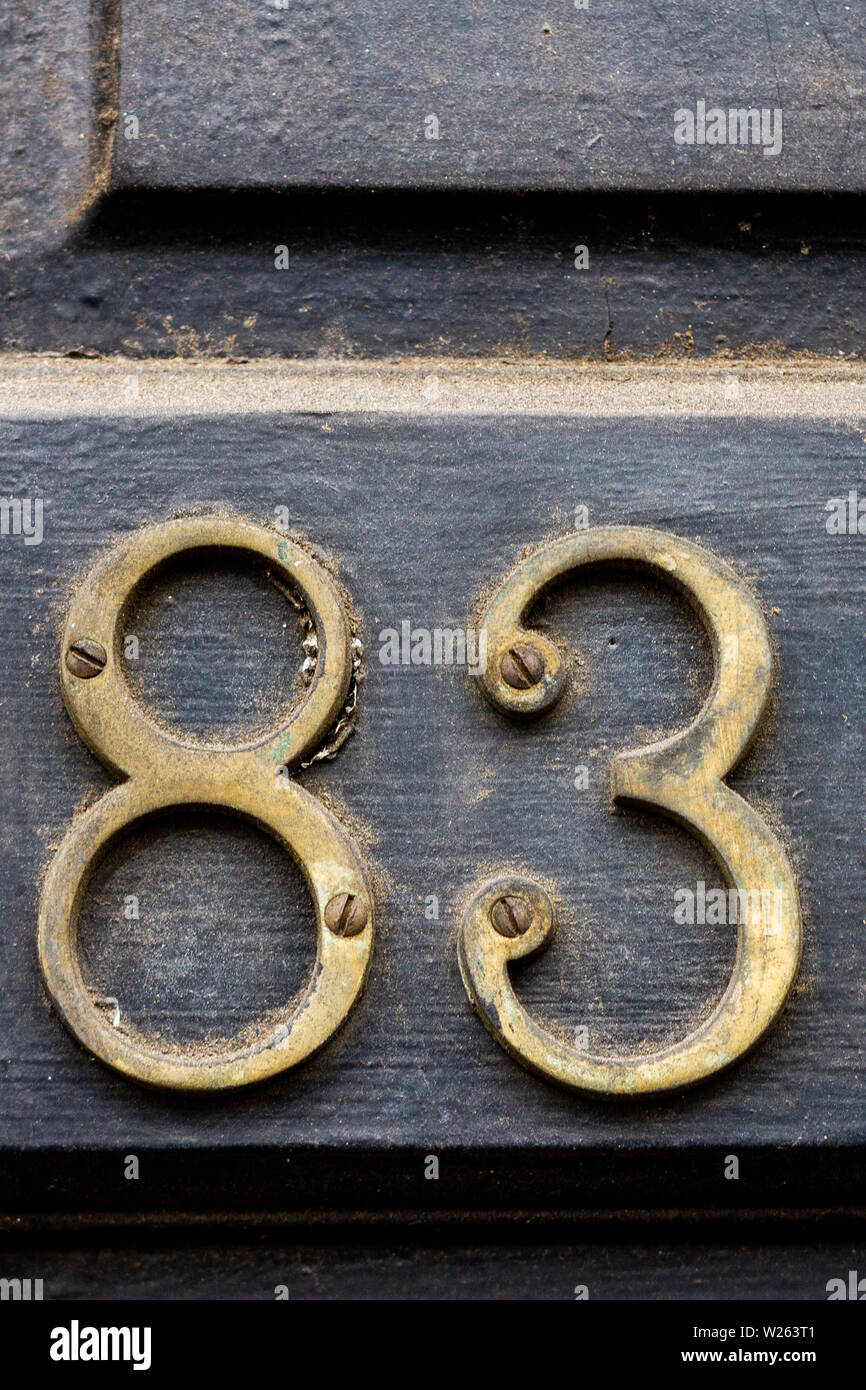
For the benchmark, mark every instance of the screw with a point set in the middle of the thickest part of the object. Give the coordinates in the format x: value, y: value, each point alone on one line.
x: 511, y: 916
x: 522, y: 667
x: 86, y: 658
x: 346, y: 915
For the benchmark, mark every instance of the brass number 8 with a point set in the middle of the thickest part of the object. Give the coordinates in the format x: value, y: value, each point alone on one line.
x: 683, y: 777
x: 160, y: 772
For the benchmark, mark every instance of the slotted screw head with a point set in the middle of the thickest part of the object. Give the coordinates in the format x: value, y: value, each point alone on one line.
x: 522, y: 667
x: 346, y: 915
x: 511, y: 916
x: 86, y: 658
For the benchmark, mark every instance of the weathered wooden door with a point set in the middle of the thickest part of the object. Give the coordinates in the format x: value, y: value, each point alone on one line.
x: 318, y: 324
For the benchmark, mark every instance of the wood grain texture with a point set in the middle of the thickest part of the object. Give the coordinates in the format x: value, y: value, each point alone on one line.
x: 643, y: 1264
x: 58, y: 94
x: 421, y: 516
x: 378, y: 275
x: 569, y: 97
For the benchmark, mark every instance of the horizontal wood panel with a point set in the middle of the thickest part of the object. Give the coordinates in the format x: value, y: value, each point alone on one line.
x: 580, y: 97
x: 421, y: 514
x: 377, y: 275
x: 638, y: 1264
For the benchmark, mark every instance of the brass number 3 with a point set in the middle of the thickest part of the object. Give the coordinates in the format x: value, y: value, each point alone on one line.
x: 683, y: 777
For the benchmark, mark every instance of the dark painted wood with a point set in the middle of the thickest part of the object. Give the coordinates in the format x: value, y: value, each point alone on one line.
x: 531, y: 97
x: 421, y: 515
x: 648, y: 1263
x: 58, y: 98
x: 165, y: 95
x: 381, y: 275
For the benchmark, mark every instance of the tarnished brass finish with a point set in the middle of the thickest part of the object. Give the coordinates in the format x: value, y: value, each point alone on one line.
x: 86, y: 659
x: 511, y: 916
x: 159, y: 772
x: 683, y: 777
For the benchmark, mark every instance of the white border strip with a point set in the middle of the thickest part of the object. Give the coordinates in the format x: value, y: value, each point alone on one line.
x: 37, y: 387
